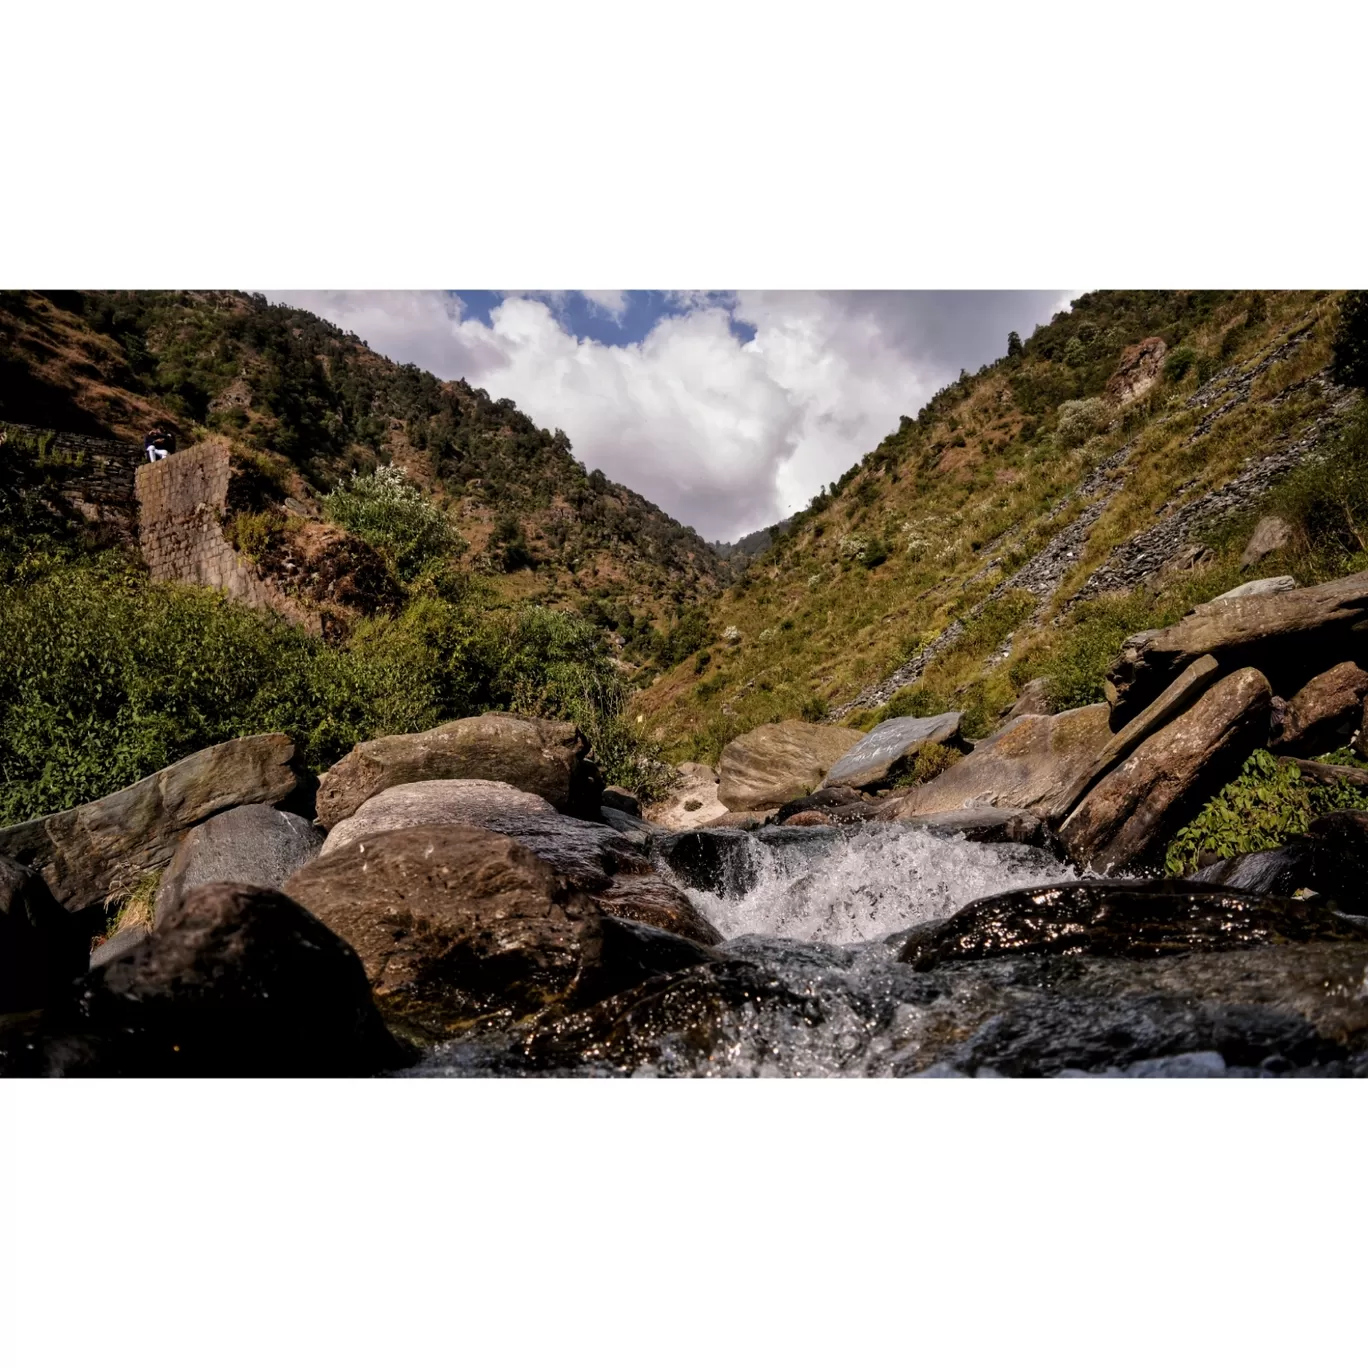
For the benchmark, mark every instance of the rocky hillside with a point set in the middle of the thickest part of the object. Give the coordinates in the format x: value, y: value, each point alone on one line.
x: 315, y: 405
x: 1101, y: 478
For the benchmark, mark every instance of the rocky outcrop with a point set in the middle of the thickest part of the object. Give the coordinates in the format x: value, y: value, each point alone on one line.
x: 1033, y: 763
x: 1275, y: 584
x: 614, y: 872
x: 888, y: 747
x: 1270, y: 535
x: 255, y: 844
x: 541, y: 757
x: 42, y: 945
x: 1034, y: 700
x: 693, y: 803
x: 1121, y: 917
x: 1324, y: 713
x: 85, y: 853
x: 779, y: 762
x: 235, y: 982
x: 1138, y: 371
x: 1130, y: 814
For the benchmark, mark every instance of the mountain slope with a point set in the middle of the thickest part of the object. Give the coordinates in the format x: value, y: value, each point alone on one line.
x: 1098, y: 479
x: 282, y: 382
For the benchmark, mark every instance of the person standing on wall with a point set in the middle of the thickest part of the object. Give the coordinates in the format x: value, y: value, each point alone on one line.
x: 158, y: 445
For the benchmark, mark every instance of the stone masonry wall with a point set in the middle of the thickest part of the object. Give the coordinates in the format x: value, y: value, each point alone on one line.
x: 181, y: 501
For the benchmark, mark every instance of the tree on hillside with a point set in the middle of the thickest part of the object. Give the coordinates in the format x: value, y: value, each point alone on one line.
x: 1014, y: 347
x: 1350, y: 364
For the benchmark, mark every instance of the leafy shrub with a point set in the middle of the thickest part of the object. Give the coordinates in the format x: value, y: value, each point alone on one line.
x: 253, y: 533
x: 813, y: 709
x: 1269, y: 802
x: 385, y: 509
x: 1177, y: 364
x: 1079, y: 419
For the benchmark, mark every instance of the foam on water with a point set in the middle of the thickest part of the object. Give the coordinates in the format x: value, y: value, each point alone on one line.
x: 883, y: 879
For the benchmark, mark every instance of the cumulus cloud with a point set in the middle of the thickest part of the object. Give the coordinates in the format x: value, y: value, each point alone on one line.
x: 733, y: 409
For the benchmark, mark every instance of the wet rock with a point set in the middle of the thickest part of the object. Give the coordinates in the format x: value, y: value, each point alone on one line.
x: 717, y: 860
x: 1338, y: 843
x: 235, y: 982
x: 1033, y: 701
x: 617, y: 956
x: 636, y: 829
x: 1122, y: 917
x: 824, y: 800
x: 255, y: 845
x: 1324, y: 713
x: 1270, y: 534
x: 741, y: 821
x: 623, y: 800
x: 120, y: 943
x: 1281, y: 872
x: 888, y: 747
x: 42, y: 945
x: 1278, y: 584
x: 614, y: 871
x: 809, y: 819
x: 545, y: 758
x: 1290, y: 637
x: 991, y: 825
x: 693, y: 804
x: 1131, y: 813
x: 779, y: 762
x: 1032, y: 763
x: 83, y: 851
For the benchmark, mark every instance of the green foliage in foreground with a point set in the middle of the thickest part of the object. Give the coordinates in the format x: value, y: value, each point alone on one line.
x: 106, y: 677
x: 396, y: 518
x: 1268, y: 803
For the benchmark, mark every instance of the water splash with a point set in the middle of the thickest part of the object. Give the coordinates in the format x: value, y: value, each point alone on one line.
x: 881, y: 880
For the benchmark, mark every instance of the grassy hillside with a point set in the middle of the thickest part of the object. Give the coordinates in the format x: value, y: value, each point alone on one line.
x: 988, y: 541
x: 305, y: 396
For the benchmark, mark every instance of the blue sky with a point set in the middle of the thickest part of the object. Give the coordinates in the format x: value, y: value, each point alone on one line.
x: 729, y: 409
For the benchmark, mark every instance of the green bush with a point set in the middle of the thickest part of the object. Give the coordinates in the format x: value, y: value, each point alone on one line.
x: 1177, y: 364
x: 1266, y: 805
x: 385, y: 509
x: 1079, y: 419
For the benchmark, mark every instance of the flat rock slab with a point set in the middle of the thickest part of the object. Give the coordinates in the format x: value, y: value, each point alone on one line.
x: 1033, y: 763
x: 1276, y: 584
x: 694, y: 802
x: 871, y: 759
x: 779, y: 762
x: 536, y: 756
x: 83, y: 852
x: 1289, y: 637
x: 255, y: 844
x: 1122, y: 917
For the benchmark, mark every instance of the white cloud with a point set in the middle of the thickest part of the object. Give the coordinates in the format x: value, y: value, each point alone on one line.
x: 725, y: 435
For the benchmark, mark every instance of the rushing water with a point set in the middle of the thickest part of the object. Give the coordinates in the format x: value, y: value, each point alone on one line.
x: 807, y: 985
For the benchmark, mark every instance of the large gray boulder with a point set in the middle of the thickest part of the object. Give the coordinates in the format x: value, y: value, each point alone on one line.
x: 778, y: 762
x: 611, y: 869
x: 256, y: 845
x: 1288, y: 637
x: 875, y: 755
x: 537, y: 756
x: 1131, y: 814
x: 42, y: 945
x: 1033, y: 763
x: 85, y: 851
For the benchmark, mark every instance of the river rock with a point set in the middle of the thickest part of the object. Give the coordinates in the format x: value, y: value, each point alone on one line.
x: 256, y: 845
x: 890, y: 745
x: 1280, y: 872
x: 1122, y: 917
x: 42, y: 945
x: 1032, y: 763
x: 779, y: 762
x: 612, y: 870
x: 1130, y: 814
x: 1270, y: 534
x: 1289, y: 637
x: 990, y: 825
x: 83, y: 851
x: 693, y: 803
x: 545, y: 758
x: 235, y: 982
x: 621, y: 799
x: 1324, y: 713
x: 827, y: 800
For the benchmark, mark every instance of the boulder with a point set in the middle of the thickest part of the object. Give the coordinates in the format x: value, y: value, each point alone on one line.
x: 1270, y: 534
x: 615, y: 873
x: 719, y: 861
x: 1338, y: 870
x: 1034, y: 762
x: 813, y: 817
x: 85, y: 851
x: 1121, y: 917
x: 120, y: 943
x: 779, y: 762
x: 235, y: 982
x: 740, y: 821
x: 1176, y: 699
x: 43, y: 947
x: 693, y: 803
x: 1289, y: 637
x: 536, y: 756
x: 1034, y: 700
x: 1131, y: 813
x: 1324, y: 713
x: 621, y: 799
x: 255, y: 844
x: 889, y: 746
x: 1281, y: 872
x: 1277, y: 584
x: 827, y: 800
x: 990, y: 825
